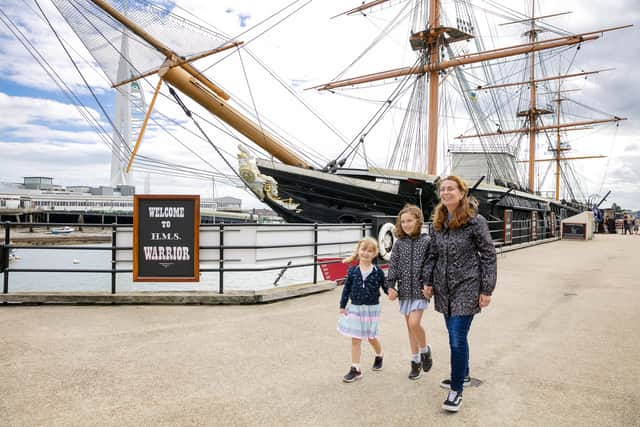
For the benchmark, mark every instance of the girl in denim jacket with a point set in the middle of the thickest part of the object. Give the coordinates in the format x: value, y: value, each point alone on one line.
x: 359, y: 320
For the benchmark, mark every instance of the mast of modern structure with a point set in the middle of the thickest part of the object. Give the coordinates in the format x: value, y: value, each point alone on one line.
x: 121, y: 146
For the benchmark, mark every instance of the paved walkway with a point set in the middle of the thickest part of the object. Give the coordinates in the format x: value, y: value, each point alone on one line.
x: 558, y: 346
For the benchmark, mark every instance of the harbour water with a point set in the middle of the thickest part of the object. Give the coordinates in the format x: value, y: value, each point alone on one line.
x: 83, y: 259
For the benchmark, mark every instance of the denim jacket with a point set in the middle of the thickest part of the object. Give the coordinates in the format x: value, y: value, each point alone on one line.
x: 367, y: 293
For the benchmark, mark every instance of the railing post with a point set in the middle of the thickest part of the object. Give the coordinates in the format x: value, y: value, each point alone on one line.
x: 114, y: 232
x: 364, y: 230
x: 315, y: 252
x: 5, y: 256
x: 221, y: 261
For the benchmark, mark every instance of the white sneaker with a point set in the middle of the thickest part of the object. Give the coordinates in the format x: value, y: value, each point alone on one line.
x: 453, y: 402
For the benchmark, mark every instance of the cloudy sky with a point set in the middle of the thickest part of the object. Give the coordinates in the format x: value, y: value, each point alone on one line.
x: 43, y: 134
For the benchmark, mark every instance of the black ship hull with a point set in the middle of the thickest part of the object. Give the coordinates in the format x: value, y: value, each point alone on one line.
x: 376, y: 197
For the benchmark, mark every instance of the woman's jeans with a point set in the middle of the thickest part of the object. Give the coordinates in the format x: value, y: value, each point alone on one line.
x: 458, y: 327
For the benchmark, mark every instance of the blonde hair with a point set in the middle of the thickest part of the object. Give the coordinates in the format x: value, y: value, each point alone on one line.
x: 367, y: 242
x: 417, y: 213
x: 467, y: 207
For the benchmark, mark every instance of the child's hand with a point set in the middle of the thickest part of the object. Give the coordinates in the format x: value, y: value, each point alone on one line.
x: 392, y: 294
x: 342, y: 311
x: 427, y: 291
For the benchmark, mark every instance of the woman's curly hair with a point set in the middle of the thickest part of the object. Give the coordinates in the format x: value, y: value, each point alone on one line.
x: 467, y: 207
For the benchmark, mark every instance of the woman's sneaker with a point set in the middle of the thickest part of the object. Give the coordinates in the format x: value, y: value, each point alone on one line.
x: 416, y: 370
x: 446, y: 383
x: 427, y: 361
x: 453, y: 402
x: 377, y: 363
x: 352, y: 375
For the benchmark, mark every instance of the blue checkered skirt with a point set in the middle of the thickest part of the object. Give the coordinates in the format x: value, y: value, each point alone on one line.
x: 360, y: 321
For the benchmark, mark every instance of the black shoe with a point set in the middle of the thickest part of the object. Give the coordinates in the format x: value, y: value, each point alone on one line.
x: 427, y: 361
x: 377, y: 364
x: 453, y: 402
x: 352, y: 375
x: 446, y: 383
x: 416, y: 371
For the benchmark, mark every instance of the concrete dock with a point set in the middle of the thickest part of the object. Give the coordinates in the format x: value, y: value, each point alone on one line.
x: 559, y: 345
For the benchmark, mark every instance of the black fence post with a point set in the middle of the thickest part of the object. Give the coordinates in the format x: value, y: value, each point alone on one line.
x: 315, y: 252
x: 114, y: 232
x: 5, y: 256
x: 364, y: 230
x: 221, y: 261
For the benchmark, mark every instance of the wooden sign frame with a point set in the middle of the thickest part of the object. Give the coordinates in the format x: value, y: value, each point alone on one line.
x: 171, y: 226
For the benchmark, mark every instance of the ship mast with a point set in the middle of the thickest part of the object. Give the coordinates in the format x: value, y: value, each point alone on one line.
x: 434, y: 80
x: 558, y: 148
x: 533, y: 114
x: 436, y: 36
x: 182, y: 75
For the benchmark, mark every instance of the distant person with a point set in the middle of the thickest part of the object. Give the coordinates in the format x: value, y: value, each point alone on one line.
x: 406, y: 266
x: 626, y: 224
x: 601, y: 226
x: 461, y: 273
x: 597, y: 218
x: 636, y: 225
x: 359, y: 320
x: 611, y: 225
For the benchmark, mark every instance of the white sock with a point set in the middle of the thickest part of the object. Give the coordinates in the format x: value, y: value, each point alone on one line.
x: 357, y: 366
x: 424, y: 349
x: 379, y: 355
x: 415, y: 358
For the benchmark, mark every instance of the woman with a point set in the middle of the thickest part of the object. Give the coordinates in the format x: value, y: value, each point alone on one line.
x: 461, y: 272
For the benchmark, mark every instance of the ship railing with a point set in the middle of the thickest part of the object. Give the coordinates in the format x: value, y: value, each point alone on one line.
x: 221, y: 247
x: 522, y: 231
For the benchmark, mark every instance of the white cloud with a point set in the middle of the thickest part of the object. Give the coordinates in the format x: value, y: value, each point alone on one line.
x: 19, y: 111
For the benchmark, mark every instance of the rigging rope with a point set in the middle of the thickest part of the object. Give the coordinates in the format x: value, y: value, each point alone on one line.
x: 188, y: 114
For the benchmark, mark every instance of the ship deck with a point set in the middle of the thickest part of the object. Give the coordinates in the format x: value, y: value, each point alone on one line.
x: 557, y: 346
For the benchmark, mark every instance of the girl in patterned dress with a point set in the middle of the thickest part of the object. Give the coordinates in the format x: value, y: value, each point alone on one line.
x: 359, y: 320
x: 406, y: 270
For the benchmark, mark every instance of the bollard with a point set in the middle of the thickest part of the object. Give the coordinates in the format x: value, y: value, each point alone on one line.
x: 221, y: 261
x: 315, y: 252
x: 114, y: 232
x: 5, y: 256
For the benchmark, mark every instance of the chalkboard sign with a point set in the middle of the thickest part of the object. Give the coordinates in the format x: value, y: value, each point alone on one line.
x: 166, y: 238
x: 574, y: 231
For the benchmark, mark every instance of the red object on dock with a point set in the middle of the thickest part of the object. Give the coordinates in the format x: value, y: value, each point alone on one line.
x: 337, y: 270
